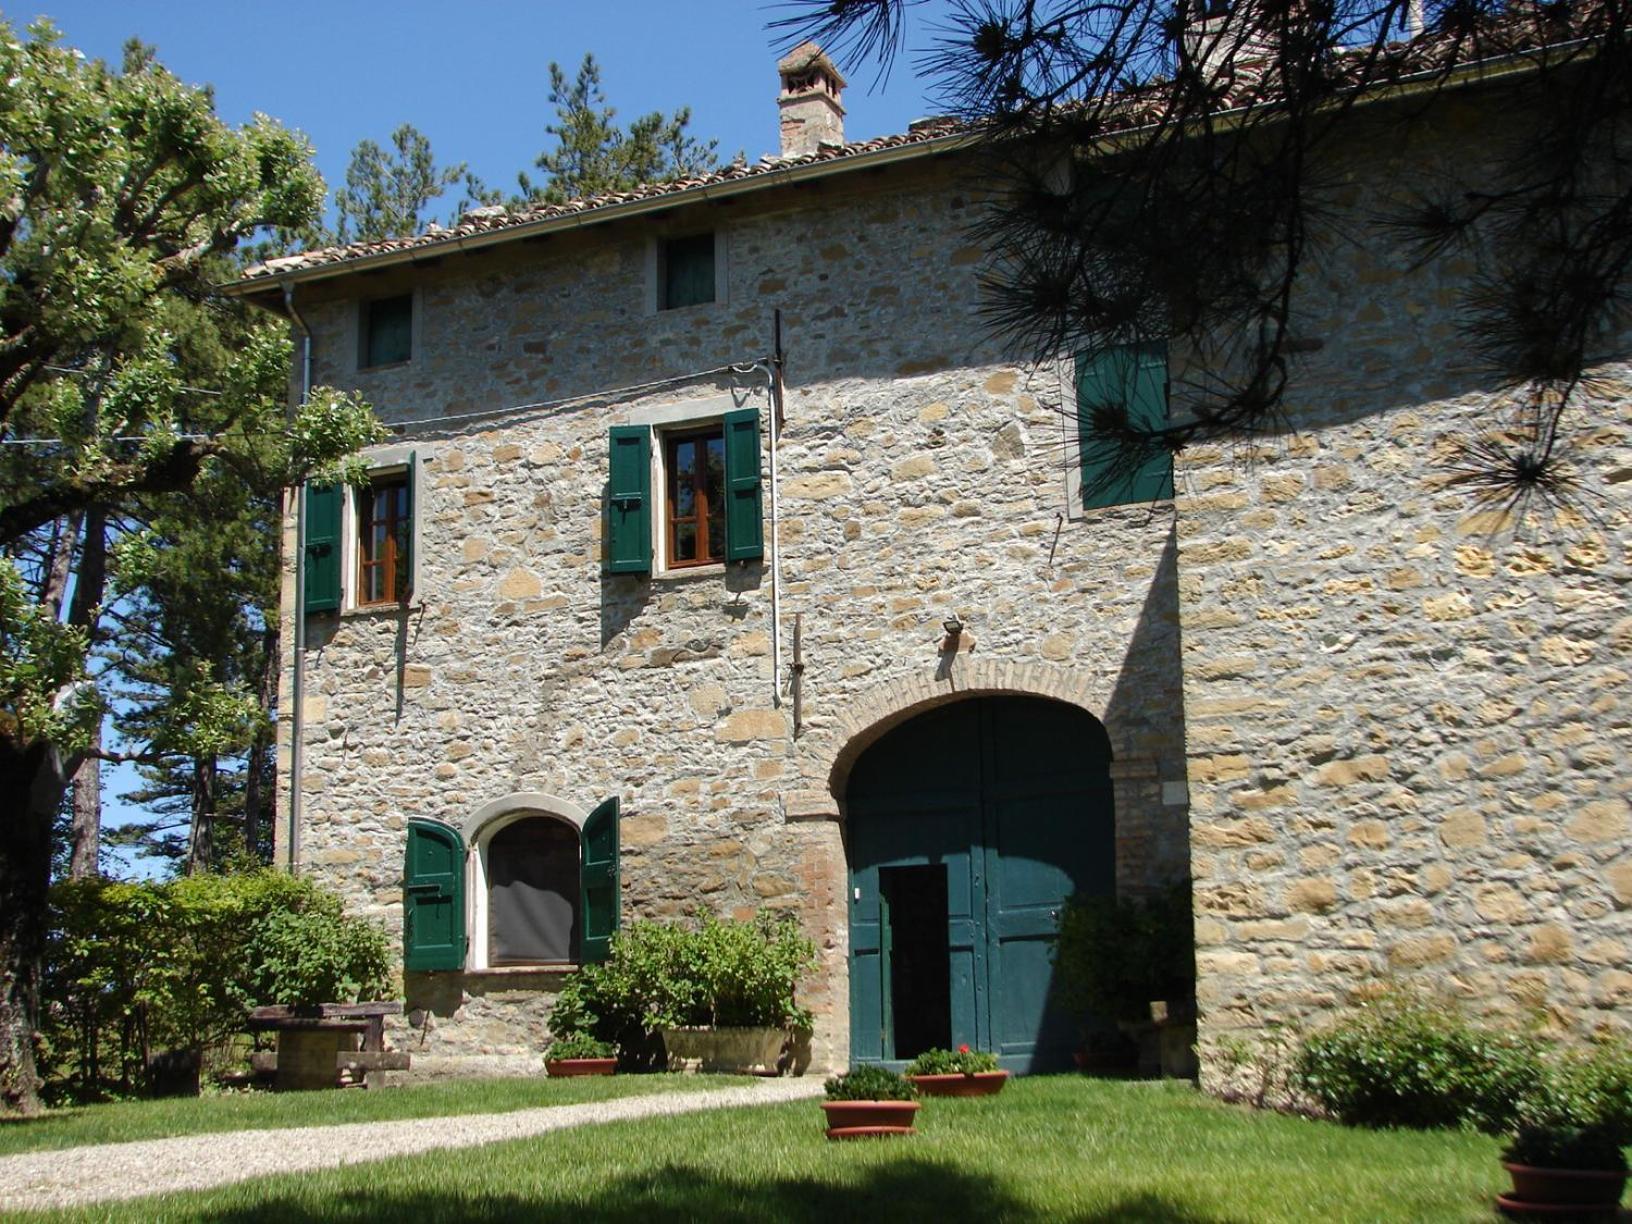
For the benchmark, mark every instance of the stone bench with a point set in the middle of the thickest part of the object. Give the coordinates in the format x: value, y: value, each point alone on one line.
x: 317, y: 1045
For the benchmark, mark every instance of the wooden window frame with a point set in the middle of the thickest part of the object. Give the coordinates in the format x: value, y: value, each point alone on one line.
x: 671, y: 440
x: 396, y: 568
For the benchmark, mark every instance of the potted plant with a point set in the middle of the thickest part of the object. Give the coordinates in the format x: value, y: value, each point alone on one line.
x: 962, y: 1073
x: 869, y: 1102
x: 1564, y: 1169
x: 580, y: 1054
x: 726, y: 1002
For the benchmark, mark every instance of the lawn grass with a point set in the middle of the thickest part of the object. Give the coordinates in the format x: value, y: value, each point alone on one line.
x: 121, y: 1121
x: 1060, y: 1148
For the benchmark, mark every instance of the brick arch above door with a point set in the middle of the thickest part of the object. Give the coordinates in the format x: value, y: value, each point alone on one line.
x: 826, y: 758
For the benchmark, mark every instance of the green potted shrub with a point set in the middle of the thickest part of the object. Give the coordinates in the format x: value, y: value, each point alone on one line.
x: 726, y: 997
x: 962, y: 1073
x: 1562, y: 1168
x: 1132, y: 962
x: 869, y: 1102
x: 575, y: 1054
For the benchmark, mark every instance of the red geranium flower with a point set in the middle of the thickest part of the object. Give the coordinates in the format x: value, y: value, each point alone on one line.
x: 963, y: 1049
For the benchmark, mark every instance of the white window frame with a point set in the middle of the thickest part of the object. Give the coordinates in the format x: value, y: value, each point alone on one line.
x: 478, y: 833
x: 389, y: 461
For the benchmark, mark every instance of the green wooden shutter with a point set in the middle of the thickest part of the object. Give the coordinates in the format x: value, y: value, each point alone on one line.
x: 323, y: 547
x: 744, y: 517
x: 598, y: 881
x: 1135, y: 375
x: 629, y: 500
x: 433, y: 897
x: 406, y: 560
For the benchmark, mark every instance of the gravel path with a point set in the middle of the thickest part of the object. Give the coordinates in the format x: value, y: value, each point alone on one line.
x: 70, y: 1177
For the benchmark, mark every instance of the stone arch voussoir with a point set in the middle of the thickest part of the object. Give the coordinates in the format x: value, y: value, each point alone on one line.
x: 828, y: 758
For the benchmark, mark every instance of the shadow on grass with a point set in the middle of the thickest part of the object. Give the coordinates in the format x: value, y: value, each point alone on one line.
x: 908, y: 1190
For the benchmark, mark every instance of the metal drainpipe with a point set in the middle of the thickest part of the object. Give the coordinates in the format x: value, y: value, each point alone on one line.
x: 297, y: 684
x: 775, y: 381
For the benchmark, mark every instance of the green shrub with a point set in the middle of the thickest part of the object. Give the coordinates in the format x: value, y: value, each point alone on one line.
x: 133, y: 968
x: 580, y: 1046
x: 671, y: 975
x: 962, y: 1061
x: 868, y: 1082
x: 1117, y: 955
x: 1400, y: 1061
x: 1566, y: 1147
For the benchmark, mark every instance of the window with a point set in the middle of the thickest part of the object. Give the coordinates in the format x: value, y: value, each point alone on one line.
x: 532, y: 892
x: 1133, y: 377
x: 543, y: 886
x: 694, y: 502
x: 384, y: 540
x: 709, y: 506
x: 360, y: 540
x: 387, y: 331
x: 685, y: 271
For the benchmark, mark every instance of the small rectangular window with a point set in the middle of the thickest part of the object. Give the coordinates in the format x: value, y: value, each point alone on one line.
x: 388, y: 331
x: 694, y: 501
x: 385, y: 526
x: 1132, y: 378
x: 686, y: 271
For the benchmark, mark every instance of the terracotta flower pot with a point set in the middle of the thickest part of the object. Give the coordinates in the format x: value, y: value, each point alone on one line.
x: 561, y: 1068
x: 1556, y: 1190
x: 869, y: 1119
x: 957, y: 1084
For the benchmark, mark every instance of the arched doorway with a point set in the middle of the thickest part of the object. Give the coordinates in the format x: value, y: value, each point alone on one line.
x: 967, y: 827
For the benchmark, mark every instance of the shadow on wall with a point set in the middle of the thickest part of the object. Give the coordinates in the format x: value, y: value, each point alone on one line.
x: 1146, y: 713
x: 913, y: 1188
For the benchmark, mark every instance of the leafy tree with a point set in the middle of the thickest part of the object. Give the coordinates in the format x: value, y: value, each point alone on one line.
x: 593, y: 155
x: 387, y: 191
x: 123, y: 193
x: 1215, y: 133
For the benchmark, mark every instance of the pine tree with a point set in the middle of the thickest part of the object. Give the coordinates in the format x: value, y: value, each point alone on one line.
x: 387, y: 191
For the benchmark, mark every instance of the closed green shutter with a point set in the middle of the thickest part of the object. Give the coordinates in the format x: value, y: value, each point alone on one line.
x: 598, y: 881
x: 744, y: 517
x: 629, y: 500
x: 433, y: 897
x: 1135, y: 375
x: 323, y: 547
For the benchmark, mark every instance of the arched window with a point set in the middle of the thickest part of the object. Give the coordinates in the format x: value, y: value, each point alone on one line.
x: 532, y: 892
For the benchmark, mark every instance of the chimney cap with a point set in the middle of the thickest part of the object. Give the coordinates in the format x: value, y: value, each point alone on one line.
x: 806, y: 56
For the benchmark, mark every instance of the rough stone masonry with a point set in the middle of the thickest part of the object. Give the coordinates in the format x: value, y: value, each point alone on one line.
x: 1385, y: 737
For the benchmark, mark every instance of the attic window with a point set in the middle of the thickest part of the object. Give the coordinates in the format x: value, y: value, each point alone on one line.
x: 387, y: 331
x: 686, y: 271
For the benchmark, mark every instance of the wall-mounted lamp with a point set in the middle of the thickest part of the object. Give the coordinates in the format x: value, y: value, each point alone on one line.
x: 954, y: 631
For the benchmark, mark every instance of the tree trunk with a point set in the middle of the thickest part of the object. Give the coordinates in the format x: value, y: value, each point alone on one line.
x: 201, y: 837
x: 259, y: 799
x: 36, y: 776
x: 64, y: 539
x: 84, y: 859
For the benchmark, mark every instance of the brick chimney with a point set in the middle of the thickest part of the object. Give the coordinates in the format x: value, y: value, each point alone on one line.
x: 812, y: 113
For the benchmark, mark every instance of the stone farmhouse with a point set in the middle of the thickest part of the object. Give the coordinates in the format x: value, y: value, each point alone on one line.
x: 630, y: 621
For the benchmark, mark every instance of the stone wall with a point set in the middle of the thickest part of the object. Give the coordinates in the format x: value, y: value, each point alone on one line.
x: 1408, y: 714
x: 920, y: 476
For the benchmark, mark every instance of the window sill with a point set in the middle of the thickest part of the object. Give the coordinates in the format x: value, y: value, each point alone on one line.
x: 382, y: 609
x: 542, y: 970
x: 389, y: 365
x: 714, y: 569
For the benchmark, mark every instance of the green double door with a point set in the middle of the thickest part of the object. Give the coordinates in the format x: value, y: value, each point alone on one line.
x: 967, y: 828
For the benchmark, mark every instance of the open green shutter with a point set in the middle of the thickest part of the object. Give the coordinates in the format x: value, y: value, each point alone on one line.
x: 744, y: 518
x: 406, y: 561
x: 598, y: 881
x: 433, y: 897
x: 1135, y: 375
x: 322, y: 558
x: 629, y: 500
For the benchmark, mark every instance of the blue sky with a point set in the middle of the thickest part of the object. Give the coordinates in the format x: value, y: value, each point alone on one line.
x: 474, y: 77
